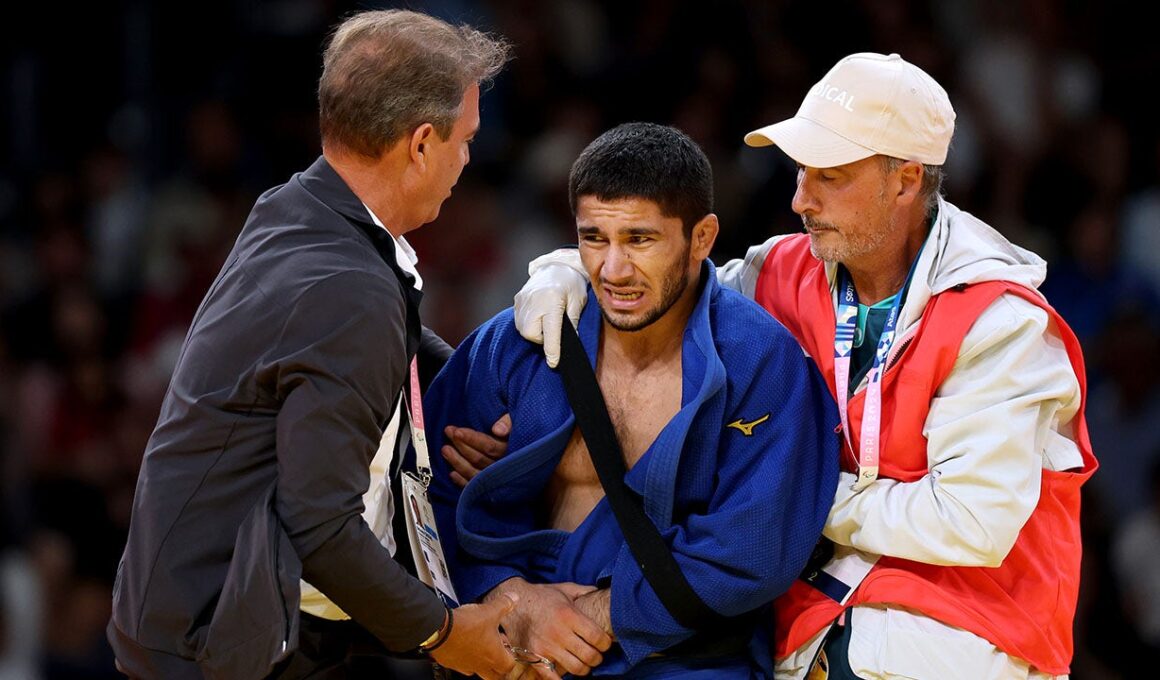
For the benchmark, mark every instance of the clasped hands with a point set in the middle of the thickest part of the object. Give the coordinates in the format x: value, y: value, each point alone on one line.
x: 565, y: 624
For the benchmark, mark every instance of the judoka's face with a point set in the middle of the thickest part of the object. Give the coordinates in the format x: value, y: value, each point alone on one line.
x: 640, y: 261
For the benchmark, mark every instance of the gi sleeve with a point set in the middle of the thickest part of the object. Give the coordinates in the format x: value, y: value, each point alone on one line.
x: 466, y: 393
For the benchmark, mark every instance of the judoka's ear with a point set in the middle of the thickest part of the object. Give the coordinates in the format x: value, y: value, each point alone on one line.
x: 703, y: 236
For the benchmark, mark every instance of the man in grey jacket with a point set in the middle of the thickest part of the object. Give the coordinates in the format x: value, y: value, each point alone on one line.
x: 260, y: 466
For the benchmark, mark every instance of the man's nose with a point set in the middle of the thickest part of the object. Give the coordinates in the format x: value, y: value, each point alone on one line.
x: 617, y: 264
x: 804, y: 201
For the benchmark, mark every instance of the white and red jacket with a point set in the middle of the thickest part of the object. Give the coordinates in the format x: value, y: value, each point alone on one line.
x: 983, y: 447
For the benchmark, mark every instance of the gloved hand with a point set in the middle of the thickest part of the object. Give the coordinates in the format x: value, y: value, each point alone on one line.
x: 557, y: 284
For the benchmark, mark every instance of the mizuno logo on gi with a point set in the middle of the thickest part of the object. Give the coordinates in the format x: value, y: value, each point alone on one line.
x: 747, y: 428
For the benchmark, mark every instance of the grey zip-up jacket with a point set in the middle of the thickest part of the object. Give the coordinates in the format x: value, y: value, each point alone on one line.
x: 254, y: 475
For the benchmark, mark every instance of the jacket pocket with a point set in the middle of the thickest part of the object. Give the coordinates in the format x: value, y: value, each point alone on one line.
x: 255, y: 622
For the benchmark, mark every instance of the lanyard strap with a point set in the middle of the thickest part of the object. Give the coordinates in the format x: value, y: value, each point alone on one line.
x: 418, y: 434
x: 847, y: 316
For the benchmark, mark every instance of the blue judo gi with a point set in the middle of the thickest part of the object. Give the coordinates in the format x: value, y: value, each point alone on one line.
x: 739, y: 482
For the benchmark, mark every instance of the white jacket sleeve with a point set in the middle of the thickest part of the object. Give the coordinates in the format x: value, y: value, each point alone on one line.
x: 741, y: 274
x: 1002, y: 415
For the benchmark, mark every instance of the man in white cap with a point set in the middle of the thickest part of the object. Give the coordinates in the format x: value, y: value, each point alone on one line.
x: 955, y: 526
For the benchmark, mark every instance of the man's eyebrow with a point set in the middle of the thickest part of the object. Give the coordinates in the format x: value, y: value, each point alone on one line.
x: 624, y: 231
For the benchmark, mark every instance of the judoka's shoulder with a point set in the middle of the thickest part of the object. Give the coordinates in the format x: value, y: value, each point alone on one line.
x: 737, y: 320
x: 500, y: 327
x: 498, y: 341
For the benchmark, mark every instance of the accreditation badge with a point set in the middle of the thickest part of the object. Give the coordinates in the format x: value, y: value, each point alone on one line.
x: 430, y: 564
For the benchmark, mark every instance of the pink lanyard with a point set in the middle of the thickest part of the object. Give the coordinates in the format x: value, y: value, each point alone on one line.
x: 418, y: 433
x: 847, y: 324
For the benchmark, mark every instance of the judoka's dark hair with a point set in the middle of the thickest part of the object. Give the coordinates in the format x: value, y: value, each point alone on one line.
x: 645, y: 160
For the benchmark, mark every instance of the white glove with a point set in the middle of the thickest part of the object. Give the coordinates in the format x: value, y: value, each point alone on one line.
x: 557, y: 283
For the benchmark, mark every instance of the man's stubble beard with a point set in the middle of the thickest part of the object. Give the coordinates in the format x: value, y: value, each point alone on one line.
x: 850, y: 246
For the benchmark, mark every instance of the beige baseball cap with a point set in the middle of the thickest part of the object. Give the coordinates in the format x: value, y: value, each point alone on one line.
x: 867, y: 104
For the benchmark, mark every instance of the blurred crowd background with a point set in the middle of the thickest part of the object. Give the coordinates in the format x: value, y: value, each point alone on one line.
x: 135, y: 135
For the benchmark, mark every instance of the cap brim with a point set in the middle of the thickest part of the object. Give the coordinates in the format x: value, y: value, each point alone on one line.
x: 808, y: 143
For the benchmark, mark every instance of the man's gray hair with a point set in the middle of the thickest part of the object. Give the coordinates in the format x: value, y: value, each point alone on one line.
x: 386, y: 72
x: 932, y: 182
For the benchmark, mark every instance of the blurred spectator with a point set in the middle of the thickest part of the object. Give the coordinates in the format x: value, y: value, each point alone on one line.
x: 21, y: 609
x: 1124, y: 410
x: 194, y: 217
x: 1106, y: 643
x: 1023, y: 80
x: 1140, y: 247
x: 21, y: 617
x: 1136, y: 553
x: 115, y: 223
x: 1090, y: 285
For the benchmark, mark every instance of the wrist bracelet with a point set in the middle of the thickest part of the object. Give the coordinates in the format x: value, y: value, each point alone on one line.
x: 440, y: 636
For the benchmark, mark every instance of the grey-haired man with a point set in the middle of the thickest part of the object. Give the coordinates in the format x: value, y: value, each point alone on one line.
x: 269, y: 462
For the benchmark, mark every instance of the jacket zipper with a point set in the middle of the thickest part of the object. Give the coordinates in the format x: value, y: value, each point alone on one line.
x: 278, y: 593
x: 896, y: 351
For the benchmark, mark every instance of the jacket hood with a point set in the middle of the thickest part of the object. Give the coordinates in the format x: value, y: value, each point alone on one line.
x: 961, y: 249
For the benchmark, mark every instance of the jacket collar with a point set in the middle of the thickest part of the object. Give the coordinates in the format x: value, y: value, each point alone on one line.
x: 322, y: 182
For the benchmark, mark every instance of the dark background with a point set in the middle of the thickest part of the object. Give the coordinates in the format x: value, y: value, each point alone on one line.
x: 134, y: 137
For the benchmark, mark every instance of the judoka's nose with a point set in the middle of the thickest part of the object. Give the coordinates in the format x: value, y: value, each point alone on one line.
x: 617, y: 266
